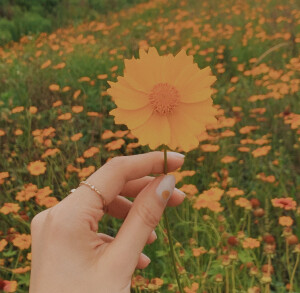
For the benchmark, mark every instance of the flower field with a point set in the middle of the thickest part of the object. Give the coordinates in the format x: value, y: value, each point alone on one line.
x: 238, y: 229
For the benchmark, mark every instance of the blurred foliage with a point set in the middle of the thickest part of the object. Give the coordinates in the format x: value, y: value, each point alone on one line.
x: 22, y: 17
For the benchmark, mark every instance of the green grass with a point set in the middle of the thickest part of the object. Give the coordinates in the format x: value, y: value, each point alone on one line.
x: 220, y: 34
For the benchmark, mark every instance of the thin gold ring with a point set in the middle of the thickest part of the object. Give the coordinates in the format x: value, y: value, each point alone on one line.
x: 105, y: 207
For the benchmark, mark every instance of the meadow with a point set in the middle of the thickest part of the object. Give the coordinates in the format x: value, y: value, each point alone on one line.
x: 238, y: 229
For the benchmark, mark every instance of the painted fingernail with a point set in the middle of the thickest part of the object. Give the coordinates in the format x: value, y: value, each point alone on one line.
x: 165, y: 188
x: 180, y: 192
x: 148, y: 259
x: 175, y: 154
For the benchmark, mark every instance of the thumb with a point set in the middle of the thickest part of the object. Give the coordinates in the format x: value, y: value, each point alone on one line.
x: 143, y: 217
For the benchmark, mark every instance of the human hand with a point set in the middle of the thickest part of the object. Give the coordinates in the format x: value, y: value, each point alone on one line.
x: 68, y: 255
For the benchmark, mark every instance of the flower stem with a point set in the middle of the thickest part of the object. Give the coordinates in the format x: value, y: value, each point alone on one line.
x: 294, y: 271
x: 169, y: 231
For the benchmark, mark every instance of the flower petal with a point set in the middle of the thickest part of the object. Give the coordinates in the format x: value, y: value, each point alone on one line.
x: 145, y: 72
x: 184, y: 130
x: 132, y: 118
x: 127, y: 97
x: 202, y: 112
x: 155, y: 131
x: 195, y: 97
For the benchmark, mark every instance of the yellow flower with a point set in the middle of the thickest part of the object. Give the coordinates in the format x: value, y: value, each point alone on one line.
x: 164, y: 99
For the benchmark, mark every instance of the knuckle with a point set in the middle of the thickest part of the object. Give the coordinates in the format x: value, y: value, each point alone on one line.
x: 116, y: 161
x: 147, y: 215
x: 37, y: 221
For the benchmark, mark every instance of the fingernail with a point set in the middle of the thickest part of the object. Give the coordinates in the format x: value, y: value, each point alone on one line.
x: 180, y: 192
x: 147, y: 259
x: 154, y: 234
x: 175, y: 155
x: 165, y: 188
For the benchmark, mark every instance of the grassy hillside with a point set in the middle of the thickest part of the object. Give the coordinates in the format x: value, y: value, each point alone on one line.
x: 54, y: 113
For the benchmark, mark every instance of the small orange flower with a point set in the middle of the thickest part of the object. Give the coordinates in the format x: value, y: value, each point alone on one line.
x: 115, y: 145
x: 76, y: 136
x: 107, y: 134
x: 9, y: 207
x: 261, y: 151
x: 85, y: 172
x: 54, y: 87
x: 66, y: 116
x: 233, y: 192
x: 21, y: 270
x: 77, y: 109
x: 36, y: 168
x: 199, y: 251
x: 91, y: 152
x: 10, y: 286
x: 250, y: 243
x: 286, y: 203
x: 286, y: 221
x: 18, y: 132
x: 228, y: 159
x: 158, y: 100
x: 244, y: 203
x: 50, y: 152
x: 247, y: 129
x: 3, y: 243
x: 22, y: 241
x: 17, y: 109
x: 33, y: 109
x: 47, y: 201
x: 210, y: 148
x: 244, y: 149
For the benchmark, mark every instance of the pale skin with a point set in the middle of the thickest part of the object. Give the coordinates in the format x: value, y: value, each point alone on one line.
x: 69, y: 254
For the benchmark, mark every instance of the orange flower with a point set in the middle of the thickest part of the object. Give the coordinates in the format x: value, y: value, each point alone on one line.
x: 54, y: 87
x: 210, y: 148
x: 77, y: 109
x: 17, y: 109
x: 199, y: 251
x: 261, y: 151
x: 50, y: 152
x: 9, y: 207
x: 286, y: 203
x: 107, y: 134
x: 286, y: 221
x: 10, y: 286
x: 36, y: 168
x: 164, y: 99
x: 85, y: 172
x: 76, y: 136
x: 244, y: 203
x: 233, y: 192
x: 250, y: 243
x: 22, y: 241
x: 66, y: 116
x: 21, y: 270
x: 228, y: 159
x: 115, y: 145
x: 91, y: 152
x: 48, y: 201
x: 3, y: 243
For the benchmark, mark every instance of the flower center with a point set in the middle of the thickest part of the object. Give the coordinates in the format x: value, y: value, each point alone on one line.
x: 164, y: 98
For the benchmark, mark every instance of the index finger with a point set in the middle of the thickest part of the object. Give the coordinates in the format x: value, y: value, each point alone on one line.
x: 112, y: 176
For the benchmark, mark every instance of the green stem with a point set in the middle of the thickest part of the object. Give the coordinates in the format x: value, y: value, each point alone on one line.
x: 227, y: 279
x: 169, y: 231
x: 287, y: 258
x: 294, y: 271
x: 233, y: 278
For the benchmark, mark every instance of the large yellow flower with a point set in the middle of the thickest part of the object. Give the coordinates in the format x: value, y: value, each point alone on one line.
x: 164, y: 99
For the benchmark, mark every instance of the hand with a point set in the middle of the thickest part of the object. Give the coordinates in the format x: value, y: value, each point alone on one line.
x: 68, y: 255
